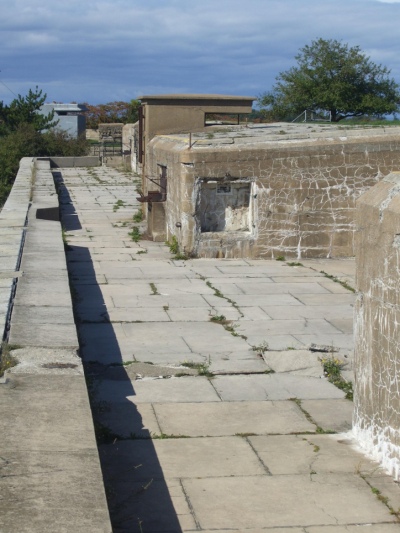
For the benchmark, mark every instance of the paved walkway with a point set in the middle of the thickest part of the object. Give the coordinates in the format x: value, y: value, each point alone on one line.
x: 212, y: 413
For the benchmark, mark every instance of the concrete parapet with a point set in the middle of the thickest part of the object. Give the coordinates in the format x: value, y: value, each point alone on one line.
x: 377, y: 323
x: 68, y: 162
x: 51, y: 477
x: 13, y: 218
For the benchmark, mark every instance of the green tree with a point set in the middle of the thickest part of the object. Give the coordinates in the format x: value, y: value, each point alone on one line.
x: 26, y: 110
x: 332, y: 77
x: 24, y: 132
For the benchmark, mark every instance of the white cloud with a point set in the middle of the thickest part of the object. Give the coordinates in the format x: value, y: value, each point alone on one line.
x: 101, y: 51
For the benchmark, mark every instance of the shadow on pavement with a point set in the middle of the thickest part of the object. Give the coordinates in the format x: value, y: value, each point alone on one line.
x: 138, y: 496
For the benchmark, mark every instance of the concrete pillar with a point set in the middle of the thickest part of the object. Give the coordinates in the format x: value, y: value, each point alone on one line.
x: 377, y: 323
x: 156, y: 221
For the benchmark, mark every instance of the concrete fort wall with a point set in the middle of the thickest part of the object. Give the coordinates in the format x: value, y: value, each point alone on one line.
x: 300, y: 199
x: 377, y: 323
x: 51, y: 477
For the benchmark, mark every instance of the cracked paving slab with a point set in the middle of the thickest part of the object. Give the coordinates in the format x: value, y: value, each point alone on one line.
x: 246, y: 449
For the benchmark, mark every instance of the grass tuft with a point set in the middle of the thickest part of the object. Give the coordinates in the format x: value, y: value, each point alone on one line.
x: 333, y: 371
x: 7, y: 361
x: 134, y: 234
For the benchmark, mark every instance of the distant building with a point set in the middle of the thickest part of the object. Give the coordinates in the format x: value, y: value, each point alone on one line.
x: 70, y: 117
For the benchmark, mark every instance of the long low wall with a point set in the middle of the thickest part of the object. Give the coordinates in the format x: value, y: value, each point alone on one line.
x: 13, y: 220
x: 51, y: 478
x: 377, y: 323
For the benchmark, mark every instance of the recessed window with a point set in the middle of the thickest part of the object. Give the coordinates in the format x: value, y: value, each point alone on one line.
x: 224, y: 206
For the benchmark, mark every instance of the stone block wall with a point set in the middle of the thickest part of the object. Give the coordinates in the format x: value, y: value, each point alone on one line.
x: 377, y: 323
x: 302, y: 193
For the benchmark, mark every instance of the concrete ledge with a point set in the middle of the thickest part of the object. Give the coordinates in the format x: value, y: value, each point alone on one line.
x: 51, y: 477
x: 12, y: 230
x: 68, y: 162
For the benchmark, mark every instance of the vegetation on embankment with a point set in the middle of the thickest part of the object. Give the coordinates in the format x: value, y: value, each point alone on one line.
x: 24, y: 132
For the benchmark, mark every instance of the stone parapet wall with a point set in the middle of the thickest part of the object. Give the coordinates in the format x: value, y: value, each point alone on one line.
x: 377, y: 323
x: 51, y: 477
x: 13, y: 218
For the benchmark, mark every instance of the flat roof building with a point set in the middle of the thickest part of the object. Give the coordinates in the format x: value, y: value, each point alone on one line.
x: 70, y: 116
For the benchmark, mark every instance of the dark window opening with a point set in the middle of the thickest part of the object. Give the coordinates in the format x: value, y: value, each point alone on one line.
x: 225, y: 206
x: 163, y: 181
x: 224, y: 119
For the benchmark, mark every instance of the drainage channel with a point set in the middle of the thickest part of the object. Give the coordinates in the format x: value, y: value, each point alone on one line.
x: 14, y: 284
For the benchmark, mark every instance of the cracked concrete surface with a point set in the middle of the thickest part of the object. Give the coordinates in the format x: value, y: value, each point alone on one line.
x: 242, y: 443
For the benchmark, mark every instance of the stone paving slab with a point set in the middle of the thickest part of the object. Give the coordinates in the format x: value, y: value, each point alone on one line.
x: 327, y: 299
x: 289, y: 312
x: 192, y: 286
x: 305, y: 277
x: 298, y: 362
x: 367, y: 528
x: 128, y: 421
x: 31, y: 295
x: 312, y: 326
x: 283, y: 287
x: 46, y: 361
x: 255, y: 313
x: 155, y: 506
x: 304, y: 454
x: 273, y: 387
x: 42, y: 315
x: 260, y: 530
x: 335, y: 415
x: 230, y: 418
x: 334, y: 267
x: 8, y: 262
x: 39, y: 261
x: 183, y: 389
x: 343, y: 342
x: 188, y: 458
x: 91, y: 279
x: 323, y: 499
x: 200, y: 314
x: 240, y: 362
x: 342, y: 324
x: 336, y: 288
x: 225, y: 282
x: 63, y: 335
x: 247, y: 300
x: 200, y: 337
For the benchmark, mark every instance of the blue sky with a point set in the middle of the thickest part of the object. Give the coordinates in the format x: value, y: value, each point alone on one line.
x: 82, y: 50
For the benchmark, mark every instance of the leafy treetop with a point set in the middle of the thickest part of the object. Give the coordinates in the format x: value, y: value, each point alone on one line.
x: 332, y: 77
x: 125, y: 112
x: 25, y: 110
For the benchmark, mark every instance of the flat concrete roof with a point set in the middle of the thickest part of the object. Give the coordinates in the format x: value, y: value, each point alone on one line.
x: 280, y: 132
x: 196, y: 97
x: 64, y: 107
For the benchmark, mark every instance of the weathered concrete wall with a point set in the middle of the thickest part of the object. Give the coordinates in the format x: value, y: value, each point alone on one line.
x: 377, y: 323
x: 302, y: 196
x: 92, y: 134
